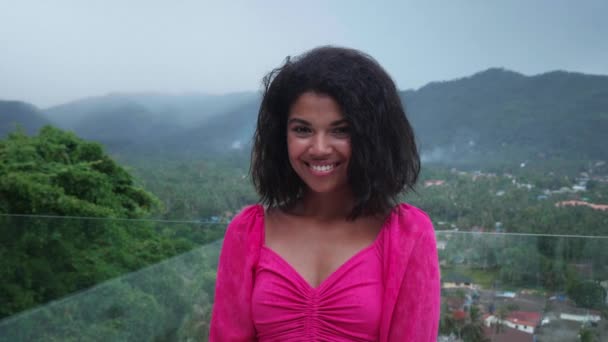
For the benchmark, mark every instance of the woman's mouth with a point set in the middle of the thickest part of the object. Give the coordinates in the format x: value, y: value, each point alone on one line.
x: 322, y: 169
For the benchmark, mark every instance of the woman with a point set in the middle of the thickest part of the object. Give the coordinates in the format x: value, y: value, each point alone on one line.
x: 328, y: 255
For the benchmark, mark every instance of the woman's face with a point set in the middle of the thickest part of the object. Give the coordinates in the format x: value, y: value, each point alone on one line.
x: 318, y: 142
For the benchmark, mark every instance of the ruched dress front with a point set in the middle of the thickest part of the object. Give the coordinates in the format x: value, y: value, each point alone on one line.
x: 344, y: 307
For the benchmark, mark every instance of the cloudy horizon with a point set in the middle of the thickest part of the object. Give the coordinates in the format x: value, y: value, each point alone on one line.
x: 65, y: 50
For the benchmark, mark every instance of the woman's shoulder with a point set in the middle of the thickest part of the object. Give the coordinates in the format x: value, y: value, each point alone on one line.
x: 243, y: 236
x: 248, y: 214
x: 408, y: 219
x: 250, y: 220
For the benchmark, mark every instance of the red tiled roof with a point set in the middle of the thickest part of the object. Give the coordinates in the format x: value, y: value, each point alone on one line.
x: 459, y: 315
x: 527, y: 318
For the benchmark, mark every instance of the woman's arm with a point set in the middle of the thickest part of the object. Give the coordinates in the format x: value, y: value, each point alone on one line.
x: 416, y: 315
x: 231, y: 317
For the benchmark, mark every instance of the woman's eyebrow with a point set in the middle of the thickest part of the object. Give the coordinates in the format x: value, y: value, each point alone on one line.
x: 306, y: 123
x: 298, y: 121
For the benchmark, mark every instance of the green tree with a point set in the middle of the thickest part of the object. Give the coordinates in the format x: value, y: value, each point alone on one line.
x: 586, y: 334
x: 447, y: 324
x: 587, y: 294
x: 472, y: 331
x: 57, y: 173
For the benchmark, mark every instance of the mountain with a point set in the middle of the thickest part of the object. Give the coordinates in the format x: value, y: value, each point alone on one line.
x: 184, y: 110
x: 13, y: 113
x: 495, y: 115
x: 143, y: 121
x: 229, y: 131
x: 499, y: 114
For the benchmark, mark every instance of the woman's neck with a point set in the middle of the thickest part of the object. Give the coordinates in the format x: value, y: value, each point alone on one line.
x: 332, y: 206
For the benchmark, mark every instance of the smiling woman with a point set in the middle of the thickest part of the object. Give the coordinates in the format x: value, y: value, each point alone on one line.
x: 328, y: 254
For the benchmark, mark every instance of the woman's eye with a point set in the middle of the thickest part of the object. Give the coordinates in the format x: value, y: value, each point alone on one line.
x: 342, y: 131
x: 301, y: 129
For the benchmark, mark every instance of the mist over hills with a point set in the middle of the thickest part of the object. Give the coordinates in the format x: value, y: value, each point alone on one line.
x: 148, y: 123
x: 17, y: 113
x: 183, y: 110
x: 493, y: 115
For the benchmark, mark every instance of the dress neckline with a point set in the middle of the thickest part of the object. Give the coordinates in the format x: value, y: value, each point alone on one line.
x: 337, y: 272
x: 334, y: 273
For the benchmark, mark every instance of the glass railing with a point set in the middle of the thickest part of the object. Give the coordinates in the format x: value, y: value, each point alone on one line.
x: 132, y: 280
x: 69, y: 279
x: 523, y: 287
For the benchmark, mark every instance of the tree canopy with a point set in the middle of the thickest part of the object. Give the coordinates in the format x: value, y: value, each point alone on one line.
x: 58, y: 173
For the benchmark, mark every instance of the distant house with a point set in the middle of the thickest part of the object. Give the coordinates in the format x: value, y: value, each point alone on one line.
x: 441, y: 244
x: 524, y: 321
x: 433, y: 182
x: 451, y: 281
x: 567, y: 311
x: 589, y: 317
x: 506, y: 294
x: 581, y: 315
x: 579, y: 187
x: 573, y: 203
x: 459, y: 315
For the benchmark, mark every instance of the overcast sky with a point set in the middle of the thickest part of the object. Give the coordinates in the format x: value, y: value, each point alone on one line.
x: 57, y: 51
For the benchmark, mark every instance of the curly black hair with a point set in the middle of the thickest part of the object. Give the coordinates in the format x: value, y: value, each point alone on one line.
x: 384, y: 161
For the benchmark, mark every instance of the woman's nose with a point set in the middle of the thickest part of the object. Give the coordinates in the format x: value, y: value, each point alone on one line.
x: 321, y: 145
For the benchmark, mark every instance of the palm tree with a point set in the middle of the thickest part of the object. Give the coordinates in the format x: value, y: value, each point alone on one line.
x: 447, y: 323
x: 472, y: 331
x: 502, y: 313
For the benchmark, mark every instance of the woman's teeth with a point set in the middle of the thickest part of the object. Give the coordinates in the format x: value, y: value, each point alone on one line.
x: 323, y: 168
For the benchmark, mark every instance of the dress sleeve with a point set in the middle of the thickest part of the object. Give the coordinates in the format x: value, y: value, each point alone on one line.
x: 231, y: 316
x: 416, y: 316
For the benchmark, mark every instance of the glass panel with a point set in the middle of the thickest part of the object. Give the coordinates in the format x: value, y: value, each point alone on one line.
x: 501, y: 286
x: 511, y: 287
x: 166, y: 301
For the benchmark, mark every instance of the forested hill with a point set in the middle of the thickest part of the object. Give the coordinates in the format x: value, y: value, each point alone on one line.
x: 494, y: 115
x: 13, y: 113
x: 500, y: 114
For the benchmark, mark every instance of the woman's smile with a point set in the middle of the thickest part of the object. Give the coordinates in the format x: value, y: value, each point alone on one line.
x: 322, y: 169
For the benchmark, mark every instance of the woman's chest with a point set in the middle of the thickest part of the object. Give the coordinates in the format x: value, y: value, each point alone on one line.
x: 317, y: 252
x: 346, y: 305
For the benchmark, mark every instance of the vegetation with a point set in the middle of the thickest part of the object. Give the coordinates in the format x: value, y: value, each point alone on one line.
x: 56, y: 173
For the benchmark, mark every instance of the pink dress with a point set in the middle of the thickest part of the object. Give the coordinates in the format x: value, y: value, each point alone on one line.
x: 344, y: 307
x: 409, y: 276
